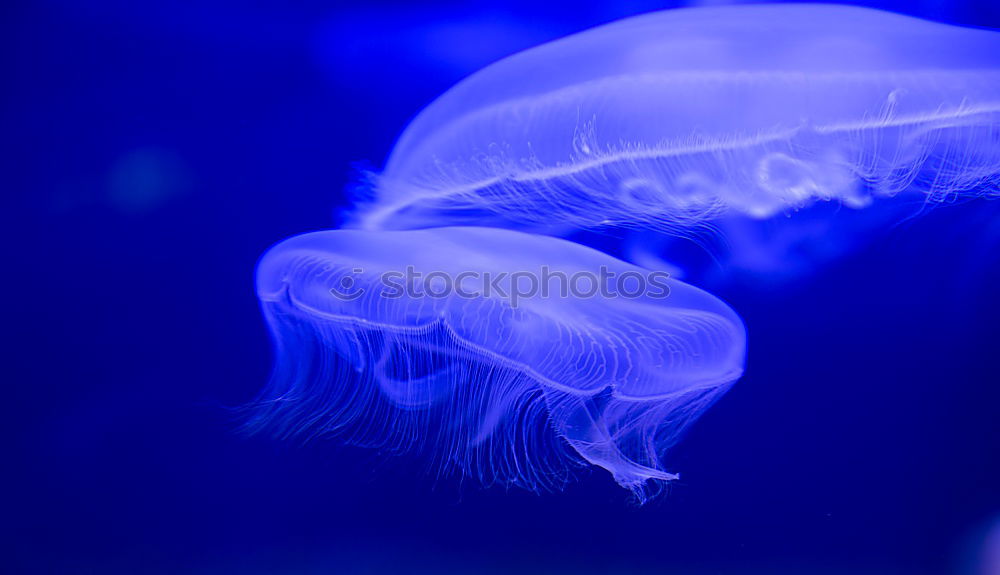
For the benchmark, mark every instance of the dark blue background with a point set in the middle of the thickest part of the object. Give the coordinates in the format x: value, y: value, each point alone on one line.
x: 156, y: 149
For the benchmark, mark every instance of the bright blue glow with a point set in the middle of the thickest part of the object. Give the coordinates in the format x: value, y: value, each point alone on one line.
x: 491, y: 383
x: 748, y: 123
x: 668, y: 119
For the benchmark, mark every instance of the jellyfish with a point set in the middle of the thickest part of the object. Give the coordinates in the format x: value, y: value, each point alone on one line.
x: 492, y: 350
x: 787, y: 132
x: 712, y: 125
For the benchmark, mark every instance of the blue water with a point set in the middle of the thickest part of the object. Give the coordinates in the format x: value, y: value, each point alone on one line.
x: 155, y: 152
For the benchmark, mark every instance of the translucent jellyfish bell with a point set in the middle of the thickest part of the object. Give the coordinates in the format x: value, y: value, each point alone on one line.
x: 492, y: 349
x: 668, y: 120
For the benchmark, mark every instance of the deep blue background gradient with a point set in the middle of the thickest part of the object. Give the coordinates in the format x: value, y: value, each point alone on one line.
x: 154, y: 150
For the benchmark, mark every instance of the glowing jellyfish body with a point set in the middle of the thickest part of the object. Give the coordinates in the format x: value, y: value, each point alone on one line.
x: 492, y: 371
x: 668, y: 122
x: 671, y: 119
